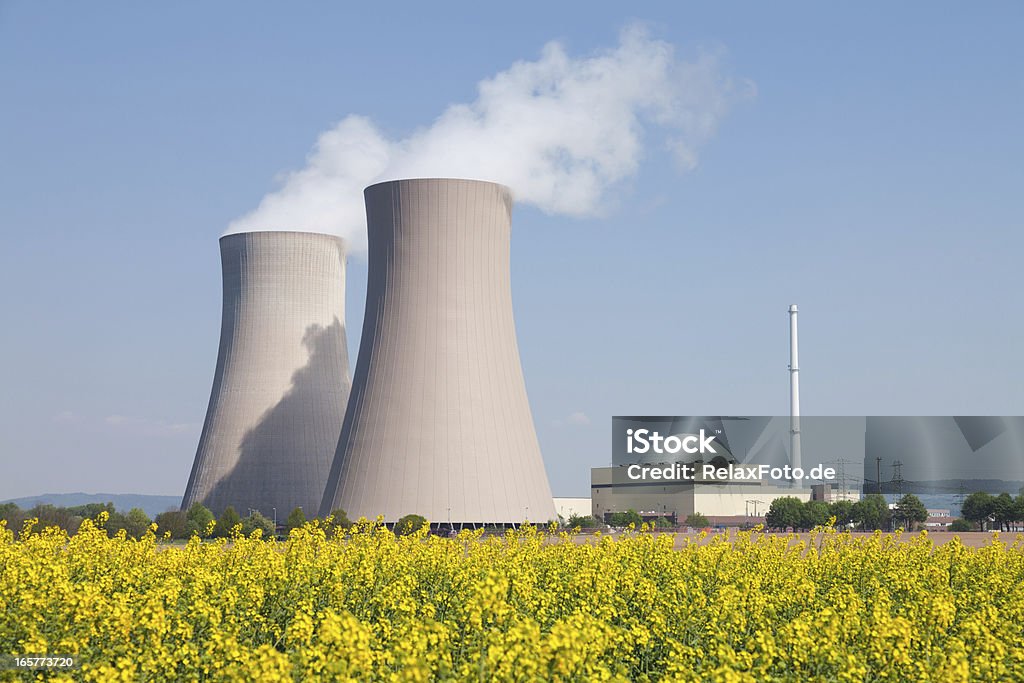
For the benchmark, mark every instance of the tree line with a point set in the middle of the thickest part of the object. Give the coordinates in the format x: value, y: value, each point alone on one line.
x: 868, y: 514
x: 135, y: 522
x: 988, y: 512
x: 623, y: 520
x: 980, y: 511
x: 175, y: 524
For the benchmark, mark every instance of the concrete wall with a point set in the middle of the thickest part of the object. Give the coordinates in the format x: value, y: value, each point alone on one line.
x: 567, y: 507
x: 731, y: 500
x: 439, y: 423
x: 282, y: 378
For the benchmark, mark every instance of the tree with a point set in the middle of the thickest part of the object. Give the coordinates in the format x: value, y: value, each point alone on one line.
x: 697, y: 521
x: 199, y: 519
x: 257, y: 521
x: 911, y: 511
x: 1003, y: 509
x: 624, y: 519
x: 339, y: 519
x: 842, y: 510
x: 977, y: 508
x: 872, y: 512
x: 662, y: 523
x: 961, y: 525
x: 814, y: 513
x: 410, y: 524
x: 13, y: 515
x: 584, y: 522
x: 51, y: 515
x: 296, y: 518
x: 136, y: 523
x: 228, y: 520
x: 115, y: 523
x: 784, y: 512
x: 92, y: 510
x: 174, y: 521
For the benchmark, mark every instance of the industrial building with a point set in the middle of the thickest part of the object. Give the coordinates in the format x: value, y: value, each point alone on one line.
x: 677, y: 501
x: 438, y: 423
x: 282, y: 378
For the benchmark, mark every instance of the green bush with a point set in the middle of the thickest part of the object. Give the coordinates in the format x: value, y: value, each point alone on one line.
x: 624, y: 519
x: 339, y: 519
x: 697, y: 521
x: 228, y: 520
x: 199, y: 519
x: 410, y: 524
x: 961, y: 525
x: 296, y: 518
x: 584, y: 522
x: 174, y: 522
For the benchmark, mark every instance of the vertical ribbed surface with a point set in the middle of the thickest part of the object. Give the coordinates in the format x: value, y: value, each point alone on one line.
x: 282, y: 377
x: 439, y: 423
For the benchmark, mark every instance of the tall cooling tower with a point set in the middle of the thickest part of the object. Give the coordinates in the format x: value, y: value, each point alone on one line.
x: 282, y: 378
x: 439, y: 423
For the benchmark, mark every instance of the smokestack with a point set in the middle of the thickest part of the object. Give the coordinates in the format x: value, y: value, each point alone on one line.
x: 439, y: 423
x: 794, y: 392
x: 282, y: 377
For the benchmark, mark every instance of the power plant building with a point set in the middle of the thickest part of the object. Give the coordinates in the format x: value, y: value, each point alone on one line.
x: 282, y: 377
x: 678, y: 500
x: 439, y: 423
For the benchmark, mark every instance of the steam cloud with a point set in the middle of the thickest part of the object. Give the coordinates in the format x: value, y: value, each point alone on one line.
x: 559, y: 131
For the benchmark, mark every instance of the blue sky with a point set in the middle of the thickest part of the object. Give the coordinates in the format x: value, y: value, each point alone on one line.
x: 874, y: 179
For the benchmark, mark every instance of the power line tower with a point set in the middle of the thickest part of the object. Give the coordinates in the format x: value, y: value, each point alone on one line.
x: 897, y: 477
x: 841, y: 478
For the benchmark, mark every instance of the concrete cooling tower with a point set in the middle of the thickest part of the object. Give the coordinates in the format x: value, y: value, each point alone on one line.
x: 282, y: 378
x: 439, y: 423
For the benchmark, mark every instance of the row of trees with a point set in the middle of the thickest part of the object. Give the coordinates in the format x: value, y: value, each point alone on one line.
x: 180, y: 524
x: 870, y: 513
x: 199, y: 520
x: 631, y: 516
x: 135, y: 522
x: 979, y: 510
x: 985, y: 511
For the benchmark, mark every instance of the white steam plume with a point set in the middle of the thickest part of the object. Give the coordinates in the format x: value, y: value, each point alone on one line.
x: 559, y: 131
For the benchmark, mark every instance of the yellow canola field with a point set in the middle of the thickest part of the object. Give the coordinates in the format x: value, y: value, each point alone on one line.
x: 368, y: 605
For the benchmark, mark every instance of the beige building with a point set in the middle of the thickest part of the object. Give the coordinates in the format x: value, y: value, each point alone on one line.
x: 611, y: 491
x: 567, y: 507
x: 831, y: 493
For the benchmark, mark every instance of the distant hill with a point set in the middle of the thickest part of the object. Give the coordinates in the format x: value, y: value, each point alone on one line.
x: 123, y: 502
x: 993, y: 486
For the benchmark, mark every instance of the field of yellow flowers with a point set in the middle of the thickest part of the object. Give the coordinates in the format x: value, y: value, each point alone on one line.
x: 367, y: 605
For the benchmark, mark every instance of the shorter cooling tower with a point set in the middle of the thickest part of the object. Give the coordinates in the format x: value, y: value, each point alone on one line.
x: 282, y: 377
x: 439, y: 423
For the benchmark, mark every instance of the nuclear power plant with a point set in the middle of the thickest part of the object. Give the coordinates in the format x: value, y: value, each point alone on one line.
x: 438, y: 423
x: 282, y: 377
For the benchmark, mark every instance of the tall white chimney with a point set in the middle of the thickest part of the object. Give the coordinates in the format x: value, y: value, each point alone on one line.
x: 794, y: 392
